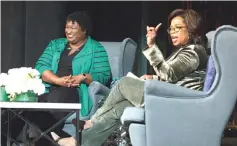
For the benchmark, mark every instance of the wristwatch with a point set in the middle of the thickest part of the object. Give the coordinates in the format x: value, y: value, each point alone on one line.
x: 84, y: 78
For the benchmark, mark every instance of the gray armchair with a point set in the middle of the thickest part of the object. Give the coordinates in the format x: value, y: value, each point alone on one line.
x: 177, y: 116
x: 121, y: 57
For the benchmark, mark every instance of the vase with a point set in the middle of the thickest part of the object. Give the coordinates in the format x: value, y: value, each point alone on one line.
x: 26, y: 97
x: 3, y: 94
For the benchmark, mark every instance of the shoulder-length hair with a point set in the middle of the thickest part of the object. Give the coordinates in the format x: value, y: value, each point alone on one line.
x: 194, y: 23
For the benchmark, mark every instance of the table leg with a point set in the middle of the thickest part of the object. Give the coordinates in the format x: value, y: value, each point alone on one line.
x: 42, y: 134
x: 7, y: 124
x: 9, y: 128
x: 78, y: 131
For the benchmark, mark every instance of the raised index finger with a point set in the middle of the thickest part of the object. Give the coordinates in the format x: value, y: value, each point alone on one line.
x: 147, y: 28
x: 157, y: 27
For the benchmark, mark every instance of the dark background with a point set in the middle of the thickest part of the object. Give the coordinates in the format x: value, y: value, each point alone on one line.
x: 27, y: 27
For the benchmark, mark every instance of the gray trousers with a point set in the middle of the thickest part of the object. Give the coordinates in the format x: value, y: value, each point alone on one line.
x: 128, y: 92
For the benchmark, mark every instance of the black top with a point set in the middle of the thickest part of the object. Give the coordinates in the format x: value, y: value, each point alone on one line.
x: 65, y: 62
x: 65, y: 65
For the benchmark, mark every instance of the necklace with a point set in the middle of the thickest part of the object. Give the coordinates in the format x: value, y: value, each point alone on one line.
x: 69, y: 48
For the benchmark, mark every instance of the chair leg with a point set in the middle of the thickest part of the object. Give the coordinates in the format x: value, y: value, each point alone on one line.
x: 25, y: 135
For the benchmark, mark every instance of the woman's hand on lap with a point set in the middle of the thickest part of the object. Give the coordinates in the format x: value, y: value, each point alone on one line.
x: 76, y: 80
x: 64, y: 81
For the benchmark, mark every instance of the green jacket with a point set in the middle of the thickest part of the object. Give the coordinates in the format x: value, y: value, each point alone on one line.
x: 93, y: 59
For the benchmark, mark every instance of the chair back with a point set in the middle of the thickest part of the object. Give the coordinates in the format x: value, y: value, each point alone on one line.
x: 121, y: 56
x: 223, y: 93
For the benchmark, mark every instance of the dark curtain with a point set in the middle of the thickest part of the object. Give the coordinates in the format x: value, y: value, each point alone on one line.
x: 27, y: 28
x: 12, y: 34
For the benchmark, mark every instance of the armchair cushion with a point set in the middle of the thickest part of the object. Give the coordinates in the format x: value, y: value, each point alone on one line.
x: 133, y: 114
x: 210, y: 70
x: 210, y: 75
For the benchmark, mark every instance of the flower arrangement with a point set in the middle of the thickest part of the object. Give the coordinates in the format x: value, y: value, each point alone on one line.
x: 21, y: 81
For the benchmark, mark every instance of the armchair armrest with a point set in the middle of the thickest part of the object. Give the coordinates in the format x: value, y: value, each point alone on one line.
x: 169, y: 90
x: 97, y: 93
x: 179, y: 114
x: 96, y: 88
x: 133, y: 115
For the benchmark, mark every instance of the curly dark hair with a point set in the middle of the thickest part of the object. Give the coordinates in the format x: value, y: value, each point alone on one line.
x: 194, y: 23
x: 83, y: 19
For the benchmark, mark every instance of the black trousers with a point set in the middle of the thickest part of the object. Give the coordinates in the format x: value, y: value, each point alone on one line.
x: 43, y: 120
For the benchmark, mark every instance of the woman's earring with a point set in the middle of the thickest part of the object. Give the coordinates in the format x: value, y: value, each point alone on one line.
x: 85, y: 32
x: 189, y: 36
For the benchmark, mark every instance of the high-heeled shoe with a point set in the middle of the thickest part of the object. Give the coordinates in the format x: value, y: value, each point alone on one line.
x: 69, y: 141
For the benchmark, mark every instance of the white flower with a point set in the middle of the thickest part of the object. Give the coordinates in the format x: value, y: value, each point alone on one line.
x: 22, y: 80
x: 35, y: 85
x: 12, y: 71
x: 3, y: 79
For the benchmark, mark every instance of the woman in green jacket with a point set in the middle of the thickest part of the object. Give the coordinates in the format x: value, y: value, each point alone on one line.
x: 74, y: 61
x: 67, y: 66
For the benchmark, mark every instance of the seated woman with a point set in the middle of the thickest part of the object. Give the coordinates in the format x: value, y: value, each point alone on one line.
x: 67, y: 66
x: 184, y: 67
